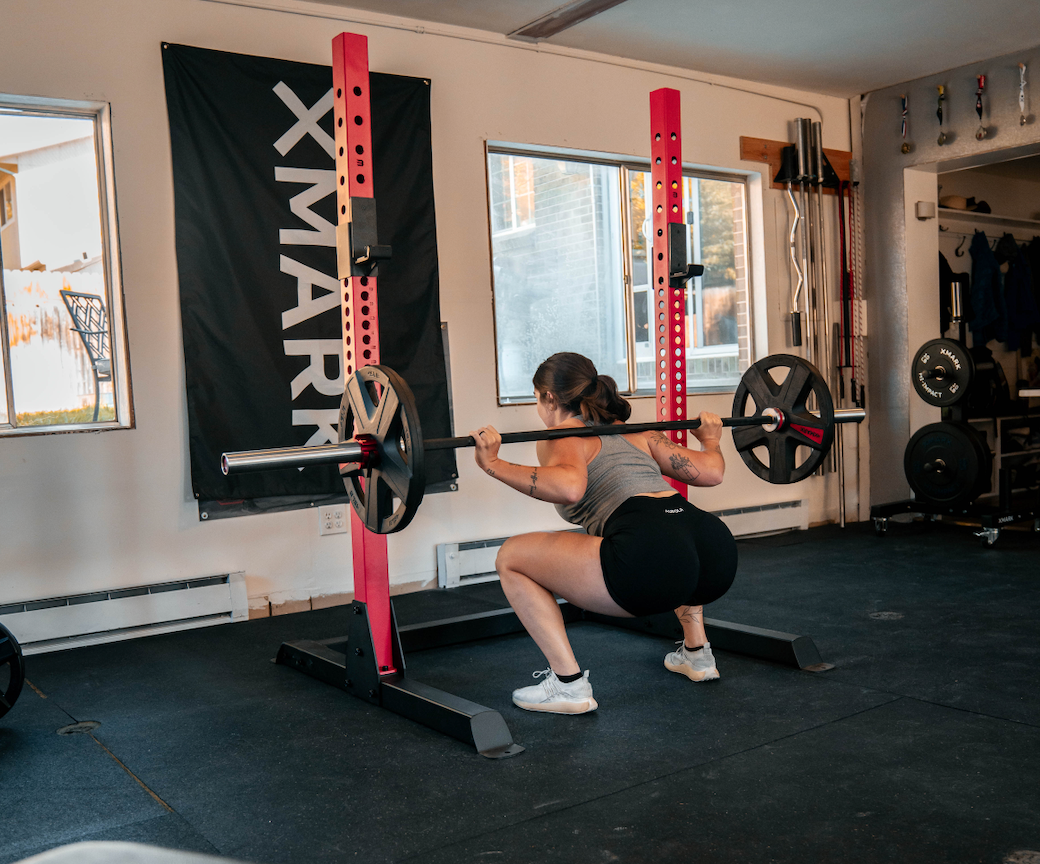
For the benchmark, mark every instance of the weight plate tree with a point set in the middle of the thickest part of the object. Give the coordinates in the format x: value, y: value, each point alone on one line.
x: 947, y: 464
x: 942, y: 372
x: 12, y: 670
x: 800, y: 427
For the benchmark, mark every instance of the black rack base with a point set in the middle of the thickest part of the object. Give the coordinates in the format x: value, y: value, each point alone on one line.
x: 347, y: 662
x: 990, y: 519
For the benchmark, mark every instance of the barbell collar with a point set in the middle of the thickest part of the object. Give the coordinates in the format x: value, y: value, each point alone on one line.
x: 292, y: 457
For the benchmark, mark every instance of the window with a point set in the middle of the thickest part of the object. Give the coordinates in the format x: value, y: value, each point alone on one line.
x: 512, y: 195
x: 569, y: 244
x: 64, y: 363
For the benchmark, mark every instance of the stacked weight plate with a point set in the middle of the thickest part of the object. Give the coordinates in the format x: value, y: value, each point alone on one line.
x: 948, y: 463
x: 12, y: 670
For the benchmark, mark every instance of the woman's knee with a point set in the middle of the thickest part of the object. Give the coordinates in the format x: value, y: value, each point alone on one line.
x: 507, y: 558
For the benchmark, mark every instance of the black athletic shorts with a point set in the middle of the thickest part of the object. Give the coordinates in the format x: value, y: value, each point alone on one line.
x: 660, y: 553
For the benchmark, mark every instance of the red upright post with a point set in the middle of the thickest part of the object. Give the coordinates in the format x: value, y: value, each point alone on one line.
x: 363, y: 664
x: 669, y: 309
x: 355, y: 200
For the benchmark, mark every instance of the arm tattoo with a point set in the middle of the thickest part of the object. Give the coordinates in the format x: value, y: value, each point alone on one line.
x: 661, y: 438
x: 493, y: 474
x: 534, y: 482
x: 683, y: 466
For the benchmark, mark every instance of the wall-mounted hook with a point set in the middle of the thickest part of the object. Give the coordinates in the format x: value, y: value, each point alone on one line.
x: 959, y: 251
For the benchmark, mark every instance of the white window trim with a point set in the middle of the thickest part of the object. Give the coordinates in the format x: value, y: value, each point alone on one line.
x: 515, y: 230
x: 122, y: 388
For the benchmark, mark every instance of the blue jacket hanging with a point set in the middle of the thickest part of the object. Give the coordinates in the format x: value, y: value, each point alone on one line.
x: 987, y: 301
x: 1022, y: 313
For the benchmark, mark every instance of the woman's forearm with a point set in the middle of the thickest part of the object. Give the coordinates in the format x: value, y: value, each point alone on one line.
x: 704, y: 467
x: 557, y: 484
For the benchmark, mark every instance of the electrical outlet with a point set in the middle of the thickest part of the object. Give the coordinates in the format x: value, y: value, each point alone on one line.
x: 333, y: 519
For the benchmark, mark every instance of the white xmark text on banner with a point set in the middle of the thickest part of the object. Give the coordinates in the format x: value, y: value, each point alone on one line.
x: 316, y: 292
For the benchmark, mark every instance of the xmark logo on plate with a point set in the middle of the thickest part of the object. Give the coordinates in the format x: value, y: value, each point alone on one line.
x: 809, y: 432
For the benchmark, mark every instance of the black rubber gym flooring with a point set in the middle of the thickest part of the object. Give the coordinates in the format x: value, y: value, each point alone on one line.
x: 923, y: 745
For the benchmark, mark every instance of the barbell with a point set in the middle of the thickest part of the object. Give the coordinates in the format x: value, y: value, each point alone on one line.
x: 382, y: 464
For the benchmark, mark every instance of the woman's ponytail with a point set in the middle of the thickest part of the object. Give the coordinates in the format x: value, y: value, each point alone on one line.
x: 581, y: 390
x: 604, y: 404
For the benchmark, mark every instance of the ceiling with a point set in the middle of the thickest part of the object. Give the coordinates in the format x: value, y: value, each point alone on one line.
x: 839, y: 47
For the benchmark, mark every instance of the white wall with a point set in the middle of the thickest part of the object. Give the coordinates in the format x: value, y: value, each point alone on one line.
x: 92, y: 511
x: 922, y: 280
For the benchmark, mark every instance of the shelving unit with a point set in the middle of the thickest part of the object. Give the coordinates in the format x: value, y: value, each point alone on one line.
x: 1011, y: 456
x: 949, y: 214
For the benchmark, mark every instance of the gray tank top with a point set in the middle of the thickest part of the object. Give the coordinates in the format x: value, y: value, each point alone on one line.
x: 619, y: 471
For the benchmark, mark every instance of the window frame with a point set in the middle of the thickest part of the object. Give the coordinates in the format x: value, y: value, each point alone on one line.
x: 514, y: 229
x: 100, y: 113
x: 625, y: 165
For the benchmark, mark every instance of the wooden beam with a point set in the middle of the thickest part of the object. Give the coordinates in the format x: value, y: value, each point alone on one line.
x: 764, y: 150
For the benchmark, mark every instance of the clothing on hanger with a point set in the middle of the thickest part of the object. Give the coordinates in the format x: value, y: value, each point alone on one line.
x: 989, y: 317
x: 1022, y: 312
x: 1032, y: 252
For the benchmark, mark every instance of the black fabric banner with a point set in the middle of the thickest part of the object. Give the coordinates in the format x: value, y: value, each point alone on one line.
x: 254, y: 177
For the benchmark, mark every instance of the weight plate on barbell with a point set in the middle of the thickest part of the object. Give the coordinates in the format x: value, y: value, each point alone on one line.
x: 12, y: 670
x: 942, y: 372
x: 379, y: 404
x: 794, y: 450
x: 947, y: 464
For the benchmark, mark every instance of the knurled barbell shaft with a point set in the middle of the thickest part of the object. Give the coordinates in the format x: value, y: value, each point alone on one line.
x: 352, y: 451
x: 590, y: 432
x: 847, y: 415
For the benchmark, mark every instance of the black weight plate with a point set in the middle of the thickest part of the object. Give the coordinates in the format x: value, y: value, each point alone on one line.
x: 803, y: 428
x: 946, y: 464
x: 942, y: 372
x: 378, y: 403
x: 985, y: 478
x: 12, y: 670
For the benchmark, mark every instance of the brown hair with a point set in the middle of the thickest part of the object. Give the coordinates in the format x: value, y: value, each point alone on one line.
x: 578, y: 388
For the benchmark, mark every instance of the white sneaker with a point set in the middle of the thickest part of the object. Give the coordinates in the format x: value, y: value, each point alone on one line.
x: 555, y: 696
x: 695, y: 665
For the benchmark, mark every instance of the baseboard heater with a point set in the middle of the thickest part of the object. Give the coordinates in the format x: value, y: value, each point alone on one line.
x: 474, y: 561
x: 109, y: 616
x: 760, y: 519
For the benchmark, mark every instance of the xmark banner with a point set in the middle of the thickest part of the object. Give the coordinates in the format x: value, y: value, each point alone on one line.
x: 254, y: 183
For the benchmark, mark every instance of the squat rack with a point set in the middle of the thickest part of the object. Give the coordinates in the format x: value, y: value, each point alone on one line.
x: 369, y: 662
